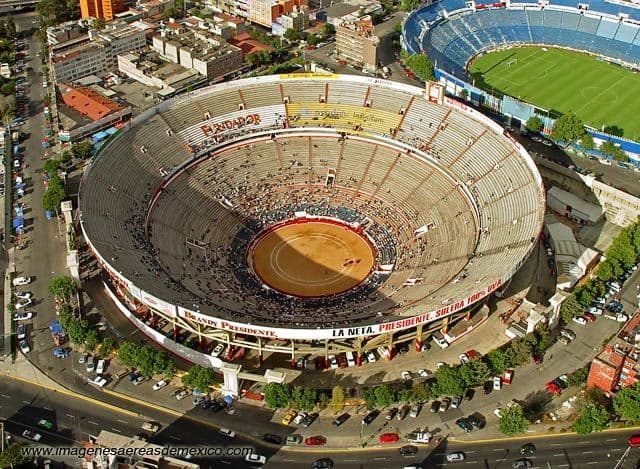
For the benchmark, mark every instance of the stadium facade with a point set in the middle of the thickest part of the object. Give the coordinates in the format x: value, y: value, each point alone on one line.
x: 170, y: 205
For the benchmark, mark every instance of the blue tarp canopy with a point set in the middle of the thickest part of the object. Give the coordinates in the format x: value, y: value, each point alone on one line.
x: 20, y: 185
x: 111, y: 131
x: 18, y: 222
x: 55, y: 327
x: 99, y: 136
x: 19, y: 212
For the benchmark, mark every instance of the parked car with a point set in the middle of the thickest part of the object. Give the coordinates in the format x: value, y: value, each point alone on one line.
x: 469, y: 394
x: 293, y: 440
x: 415, y: 410
x: 464, y: 358
x: 406, y: 376
x: 98, y: 381
x: 507, y: 378
x: 340, y: 419
x: 23, y: 295
x: 435, y: 405
x: 100, y: 366
x: 464, y: 424
x: 288, y: 417
x: 322, y: 463
x: 456, y: 401
x: 309, y: 419
x: 521, y: 464
x: 497, y: 383
x: 181, y: 394
x: 423, y: 373
x: 391, y: 413
x: 444, y: 404
x: 333, y: 362
x: 370, y: 417
x: 23, y: 304
x: 217, y: 351
x: 589, y: 317
x: 402, y: 413
x: 20, y: 281
x: 487, y: 387
x: 528, y: 448
x: 299, y: 418
x: 24, y: 346
x: 21, y: 331
x: 564, y: 340
x: 315, y: 441
x: 159, y: 385
x: 568, y: 333
x: 139, y: 380
x: 476, y: 420
x: 579, y: 320
x: 388, y: 438
x: 60, y: 352
x: 44, y: 423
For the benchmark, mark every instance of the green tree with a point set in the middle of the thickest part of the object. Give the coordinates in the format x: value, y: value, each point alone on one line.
x: 82, y: 150
x: 66, y: 157
x: 612, y: 149
x: 7, y: 108
x: 54, y: 194
x: 92, y: 339
x: 107, y: 346
x: 614, y: 130
x: 308, y: 399
x: 277, y: 395
x: 534, y: 124
x: 200, y: 378
x: 313, y: 40
x: 337, y: 399
x: 12, y: 456
x: 518, y: 353
x: 128, y: 353
x: 385, y: 395
x: 626, y: 403
x: 474, y: 373
x: 449, y: 382
x: 292, y: 35
x: 587, y: 142
x: 98, y: 23
x: 51, y: 166
x: 8, y: 88
x: 163, y: 364
x: 145, y: 361
x: 568, y: 128
x: 10, y: 28
x: 512, y: 421
x: 329, y: 29
x: 63, y: 288
x: 497, y: 361
x: 420, y: 392
x: 171, y: 13
x: 569, y: 309
x: 369, y: 396
x: 421, y: 66
x: 258, y: 58
x: 578, y: 377
x: 409, y: 5
x: 592, y: 418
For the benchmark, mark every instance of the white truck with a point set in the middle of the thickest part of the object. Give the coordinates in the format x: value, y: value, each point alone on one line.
x: 420, y: 437
x: 386, y: 72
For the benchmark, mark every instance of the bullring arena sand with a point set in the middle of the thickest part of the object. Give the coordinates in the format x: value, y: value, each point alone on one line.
x: 312, y: 259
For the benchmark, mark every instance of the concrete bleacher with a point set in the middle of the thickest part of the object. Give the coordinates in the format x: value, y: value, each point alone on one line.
x: 445, y: 169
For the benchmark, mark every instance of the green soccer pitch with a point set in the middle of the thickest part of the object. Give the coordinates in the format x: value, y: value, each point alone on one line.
x: 599, y: 92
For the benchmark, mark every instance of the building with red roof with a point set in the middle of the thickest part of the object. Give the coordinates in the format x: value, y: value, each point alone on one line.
x: 89, y: 103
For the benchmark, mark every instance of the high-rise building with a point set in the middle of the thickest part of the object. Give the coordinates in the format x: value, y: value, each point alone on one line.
x: 105, y: 9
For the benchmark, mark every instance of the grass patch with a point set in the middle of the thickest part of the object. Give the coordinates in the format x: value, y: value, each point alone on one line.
x: 561, y: 80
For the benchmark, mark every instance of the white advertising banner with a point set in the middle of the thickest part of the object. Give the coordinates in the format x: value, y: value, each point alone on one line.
x: 157, y: 304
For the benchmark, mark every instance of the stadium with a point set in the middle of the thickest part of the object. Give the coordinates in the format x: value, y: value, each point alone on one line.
x: 308, y: 214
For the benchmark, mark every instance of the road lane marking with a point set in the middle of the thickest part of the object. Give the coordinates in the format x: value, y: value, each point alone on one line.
x: 587, y: 452
x: 470, y: 452
x: 4, y: 395
x: 583, y: 442
x: 563, y: 465
x: 115, y: 430
x: 501, y: 459
x: 611, y: 439
x: 92, y: 422
x: 70, y: 416
x: 497, y: 449
x: 555, y: 444
x: 174, y: 437
x: 121, y: 421
x: 593, y: 462
x: 471, y: 462
x: 225, y: 462
x: 46, y: 408
x: 350, y: 460
x: 289, y: 460
x: 559, y: 454
x: 379, y: 459
x: 26, y: 402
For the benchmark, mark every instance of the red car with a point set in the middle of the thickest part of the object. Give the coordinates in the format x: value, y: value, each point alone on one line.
x: 553, y: 388
x: 315, y: 441
x: 589, y: 317
x: 389, y: 438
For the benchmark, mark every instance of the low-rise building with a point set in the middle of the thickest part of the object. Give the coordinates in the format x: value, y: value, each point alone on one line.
x: 168, y: 78
x: 77, y: 62
x: 265, y: 12
x: 208, y: 54
x: 613, y: 369
x: 88, y: 102
x: 67, y: 31
x: 298, y: 20
x: 117, y: 38
x: 573, y: 207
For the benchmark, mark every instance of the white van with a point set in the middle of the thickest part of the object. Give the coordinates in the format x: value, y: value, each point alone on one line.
x: 100, y: 366
x: 351, y: 361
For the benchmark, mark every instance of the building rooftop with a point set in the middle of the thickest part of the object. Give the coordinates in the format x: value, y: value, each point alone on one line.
x: 89, y: 103
x: 75, y: 51
x: 340, y: 9
x: 593, y: 211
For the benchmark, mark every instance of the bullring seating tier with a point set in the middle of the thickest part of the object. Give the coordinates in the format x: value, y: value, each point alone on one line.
x: 451, y: 40
x: 478, y: 192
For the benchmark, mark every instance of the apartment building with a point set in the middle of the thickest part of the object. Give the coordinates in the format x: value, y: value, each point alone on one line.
x: 117, y: 39
x: 356, y: 42
x: 78, y: 62
x: 104, y: 9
